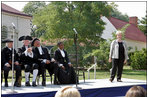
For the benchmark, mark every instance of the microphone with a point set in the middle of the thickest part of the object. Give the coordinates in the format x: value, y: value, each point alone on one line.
x: 13, y: 25
x: 75, y: 31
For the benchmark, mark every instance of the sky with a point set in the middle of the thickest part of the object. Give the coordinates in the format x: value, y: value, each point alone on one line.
x: 133, y: 8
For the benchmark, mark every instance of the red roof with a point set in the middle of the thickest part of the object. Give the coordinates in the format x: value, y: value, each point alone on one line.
x: 8, y: 9
x: 132, y: 32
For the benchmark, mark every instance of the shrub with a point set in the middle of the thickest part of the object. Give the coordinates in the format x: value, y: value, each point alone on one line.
x: 102, y: 55
x: 139, y: 59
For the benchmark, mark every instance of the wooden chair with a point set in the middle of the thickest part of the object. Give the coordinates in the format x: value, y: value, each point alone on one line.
x: 78, y: 72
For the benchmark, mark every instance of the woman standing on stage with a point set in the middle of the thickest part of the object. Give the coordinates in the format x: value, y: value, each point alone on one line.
x: 118, y: 56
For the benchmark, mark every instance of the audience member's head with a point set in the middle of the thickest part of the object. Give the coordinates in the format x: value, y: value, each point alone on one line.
x: 136, y: 91
x: 68, y: 92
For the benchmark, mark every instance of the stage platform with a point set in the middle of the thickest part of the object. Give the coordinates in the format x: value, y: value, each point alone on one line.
x: 91, y: 88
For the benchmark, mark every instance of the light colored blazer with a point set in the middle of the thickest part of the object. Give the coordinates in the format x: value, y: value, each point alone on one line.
x: 114, y: 50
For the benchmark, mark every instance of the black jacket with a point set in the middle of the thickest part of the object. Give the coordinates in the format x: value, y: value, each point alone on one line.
x: 45, y: 54
x: 6, y: 56
x: 26, y: 59
x: 60, y: 59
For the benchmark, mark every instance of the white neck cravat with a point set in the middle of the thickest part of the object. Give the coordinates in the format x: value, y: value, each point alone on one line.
x: 62, y: 52
x: 26, y: 47
x: 40, y: 50
x: 10, y: 48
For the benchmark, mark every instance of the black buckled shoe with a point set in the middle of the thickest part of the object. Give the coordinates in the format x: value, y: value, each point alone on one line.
x: 34, y: 84
x: 27, y: 84
x: 6, y: 84
x: 43, y: 83
x: 17, y: 84
x: 56, y: 83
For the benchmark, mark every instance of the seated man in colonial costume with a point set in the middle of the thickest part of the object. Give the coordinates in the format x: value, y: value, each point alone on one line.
x: 6, y: 61
x: 28, y: 60
x: 65, y: 66
x: 44, y: 61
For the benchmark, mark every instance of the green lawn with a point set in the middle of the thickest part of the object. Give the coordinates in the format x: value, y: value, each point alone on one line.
x: 127, y: 73
x: 103, y: 74
x: 134, y: 74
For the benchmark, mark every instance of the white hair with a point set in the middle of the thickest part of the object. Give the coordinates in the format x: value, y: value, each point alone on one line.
x: 68, y: 92
x: 7, y: 44
x: 118, y: 32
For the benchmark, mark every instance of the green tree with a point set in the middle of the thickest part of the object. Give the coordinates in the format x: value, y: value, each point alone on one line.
x: 4, y: 34
x: 143, y: 25
x: 117, y: 14
x: 58, y: 19
x: 33, y: 7
x: 123, y: 29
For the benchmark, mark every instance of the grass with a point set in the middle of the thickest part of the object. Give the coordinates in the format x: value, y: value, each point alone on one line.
x: 134, y: 74
x: 103, y: 74
x: 127, y: 73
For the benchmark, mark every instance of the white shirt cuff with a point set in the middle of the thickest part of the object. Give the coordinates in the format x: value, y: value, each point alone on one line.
x: 60, y: 65
x: 44, y: 60
x: 25, y: 53
x: 52, y: 60
x: 16, y: 61
x: 6, y: 64
x: 30, y: 54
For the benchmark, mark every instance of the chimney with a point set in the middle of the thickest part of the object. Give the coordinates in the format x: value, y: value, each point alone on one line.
x: 133, y: 20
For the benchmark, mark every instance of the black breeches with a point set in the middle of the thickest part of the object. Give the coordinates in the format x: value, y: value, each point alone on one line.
x: 52, y: 69
x: 17, y: 68
x: 42, y: 70
x: 30, y: 67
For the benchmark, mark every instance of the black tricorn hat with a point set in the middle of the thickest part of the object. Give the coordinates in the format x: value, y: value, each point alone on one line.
x: 7, y: 41
x: 32, y: 43
x: 25, y: 38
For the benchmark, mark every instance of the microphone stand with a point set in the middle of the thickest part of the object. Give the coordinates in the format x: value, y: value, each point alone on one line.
x: 76, y: 49
x: 12, y: 89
